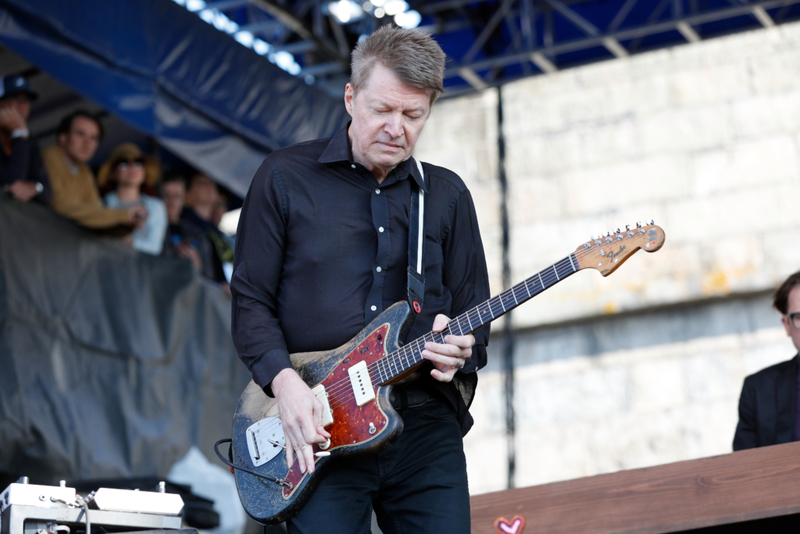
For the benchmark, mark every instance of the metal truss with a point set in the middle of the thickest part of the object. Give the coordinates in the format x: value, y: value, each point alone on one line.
x: 491, y: 42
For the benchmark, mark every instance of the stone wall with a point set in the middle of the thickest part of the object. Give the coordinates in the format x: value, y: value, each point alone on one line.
x: 703, y: 138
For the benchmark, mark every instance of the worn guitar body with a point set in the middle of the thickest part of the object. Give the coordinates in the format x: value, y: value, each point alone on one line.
x: 353, y: 381
x: 366, y: 428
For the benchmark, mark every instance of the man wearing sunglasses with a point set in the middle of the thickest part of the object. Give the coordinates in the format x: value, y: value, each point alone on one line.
x: 769, y: 407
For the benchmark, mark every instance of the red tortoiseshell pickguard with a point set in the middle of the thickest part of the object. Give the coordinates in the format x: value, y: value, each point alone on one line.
x: 351, y: 423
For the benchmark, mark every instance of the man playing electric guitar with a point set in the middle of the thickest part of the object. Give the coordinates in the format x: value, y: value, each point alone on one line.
x: 323, y: 247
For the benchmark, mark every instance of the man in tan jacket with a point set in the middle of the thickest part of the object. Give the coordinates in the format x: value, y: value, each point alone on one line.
x: 75, y: 194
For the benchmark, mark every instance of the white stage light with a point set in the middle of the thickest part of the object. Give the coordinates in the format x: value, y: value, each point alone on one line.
x: 244, y: 38
x: 408, y: 20
x: 261, y: 47
x: 394, y: 7
x: 195, y: 5
x: 345, y: 11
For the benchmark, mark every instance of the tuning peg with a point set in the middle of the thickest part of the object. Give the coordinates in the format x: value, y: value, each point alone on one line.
x: 638, y: 224
x: 627, y: 227
x: 651, y: 222
x: 618, y: 231
x: 606, y: 234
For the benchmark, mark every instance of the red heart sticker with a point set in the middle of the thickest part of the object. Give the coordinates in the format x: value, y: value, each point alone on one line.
x: 504, y: 526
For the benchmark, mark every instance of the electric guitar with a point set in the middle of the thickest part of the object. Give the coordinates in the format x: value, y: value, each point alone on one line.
x: 353, y: 383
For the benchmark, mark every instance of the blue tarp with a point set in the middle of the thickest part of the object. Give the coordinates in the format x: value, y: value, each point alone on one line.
x: 213, y: 102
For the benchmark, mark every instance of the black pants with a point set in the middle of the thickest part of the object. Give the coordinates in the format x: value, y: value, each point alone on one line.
x: 418, y: 485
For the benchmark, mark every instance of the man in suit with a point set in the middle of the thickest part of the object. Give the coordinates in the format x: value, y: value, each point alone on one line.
x: 768, y: 406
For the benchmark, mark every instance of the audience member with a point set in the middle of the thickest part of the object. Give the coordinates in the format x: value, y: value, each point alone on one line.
x: 128, y: 171
x: 201, y: 197
x: 22, y: 173
x: 180, y: 241
x: 769, y: 407
x: 75, y: 193
x: 220, y: 208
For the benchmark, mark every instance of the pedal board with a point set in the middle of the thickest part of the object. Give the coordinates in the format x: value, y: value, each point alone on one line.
x: 25, y: 494
x: 36, y: 509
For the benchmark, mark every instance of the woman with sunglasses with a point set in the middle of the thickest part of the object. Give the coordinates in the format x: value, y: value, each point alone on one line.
x: 128, y: 173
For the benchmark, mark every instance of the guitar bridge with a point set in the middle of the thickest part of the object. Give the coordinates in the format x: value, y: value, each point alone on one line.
x: 322, y: 395
x: 265, y: 440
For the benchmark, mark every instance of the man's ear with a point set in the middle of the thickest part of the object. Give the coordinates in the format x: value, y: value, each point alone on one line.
x: 349, y: 96
x: 62, y: 139
x: 786, y: 325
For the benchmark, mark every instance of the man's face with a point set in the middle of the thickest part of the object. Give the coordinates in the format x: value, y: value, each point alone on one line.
x: 793, y: 307
x: 174, y: 194
x: 388, y: 116
x: 20, y: 103
x: 202, y: 191
x: 80, y: 143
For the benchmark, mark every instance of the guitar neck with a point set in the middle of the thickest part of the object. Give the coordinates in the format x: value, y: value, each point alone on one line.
x: 410, y: 354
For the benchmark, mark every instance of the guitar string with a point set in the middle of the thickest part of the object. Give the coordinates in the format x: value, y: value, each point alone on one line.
x: 343, y: 386
x: 341, y: 390
x: 417, y: 345
x: 493, y: 304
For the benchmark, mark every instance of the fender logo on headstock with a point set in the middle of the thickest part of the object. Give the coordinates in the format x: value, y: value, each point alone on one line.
x: 613, y: 255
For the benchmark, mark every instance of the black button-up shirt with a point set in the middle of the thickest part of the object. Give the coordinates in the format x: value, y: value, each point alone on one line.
x: 322, y: 249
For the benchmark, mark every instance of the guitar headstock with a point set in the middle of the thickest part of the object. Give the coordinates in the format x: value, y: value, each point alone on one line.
x: 607, y: 252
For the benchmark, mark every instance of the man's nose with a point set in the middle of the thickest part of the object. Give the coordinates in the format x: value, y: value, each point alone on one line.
x: 394, y: 125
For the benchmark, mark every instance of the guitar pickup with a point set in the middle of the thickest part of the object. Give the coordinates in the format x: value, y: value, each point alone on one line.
x: 362, y: 383
x: 322, y: 395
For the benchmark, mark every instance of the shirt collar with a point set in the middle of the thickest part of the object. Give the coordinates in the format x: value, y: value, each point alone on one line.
x: 338, y: 150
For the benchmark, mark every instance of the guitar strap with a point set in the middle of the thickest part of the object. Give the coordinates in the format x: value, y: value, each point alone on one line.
x: 416, y: 242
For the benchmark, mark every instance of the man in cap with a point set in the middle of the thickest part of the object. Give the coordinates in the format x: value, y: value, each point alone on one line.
x: 22, y: 174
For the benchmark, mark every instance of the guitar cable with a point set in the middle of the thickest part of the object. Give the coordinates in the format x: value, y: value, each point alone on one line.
x: 229, y: 462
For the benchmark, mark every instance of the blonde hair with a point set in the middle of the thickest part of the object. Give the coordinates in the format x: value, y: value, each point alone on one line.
x: 412, y: 55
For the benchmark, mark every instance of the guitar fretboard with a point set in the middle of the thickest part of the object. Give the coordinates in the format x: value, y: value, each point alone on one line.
x: 410, y: 354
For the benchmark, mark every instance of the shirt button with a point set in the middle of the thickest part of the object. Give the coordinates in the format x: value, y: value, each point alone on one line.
x: 352, y: 165
x: 378, y: 269
x: 373, y: 308
x: 380, y: 229
x: 377, y: 191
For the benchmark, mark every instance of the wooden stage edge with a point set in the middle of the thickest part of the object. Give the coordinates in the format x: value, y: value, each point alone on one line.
x: 720, y: 490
